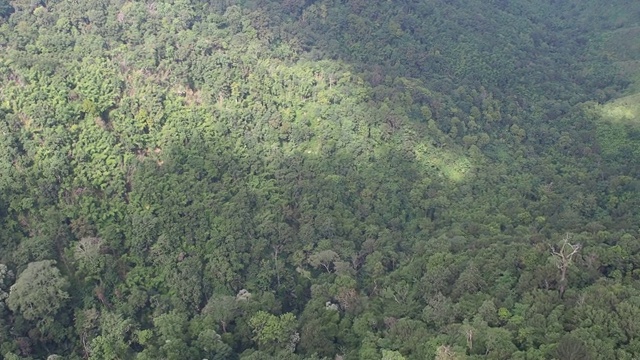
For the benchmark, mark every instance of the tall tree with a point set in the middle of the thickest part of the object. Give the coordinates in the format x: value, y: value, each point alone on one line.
x: 39, y: 292
x: 563, y: 259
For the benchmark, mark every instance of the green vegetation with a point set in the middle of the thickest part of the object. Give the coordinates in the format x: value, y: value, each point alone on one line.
x: 319, y: 179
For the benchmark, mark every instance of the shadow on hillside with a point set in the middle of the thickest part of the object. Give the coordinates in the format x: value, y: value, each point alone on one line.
x: 221, y: 222
x: 505, y: 47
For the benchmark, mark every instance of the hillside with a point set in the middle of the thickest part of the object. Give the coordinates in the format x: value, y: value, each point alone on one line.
x: 261, y: 179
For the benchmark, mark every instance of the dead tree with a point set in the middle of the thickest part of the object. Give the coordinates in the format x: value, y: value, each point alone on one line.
x: 563, y: 258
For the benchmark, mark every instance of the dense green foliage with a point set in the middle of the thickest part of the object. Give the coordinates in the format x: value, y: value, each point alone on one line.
x: 262, y: 179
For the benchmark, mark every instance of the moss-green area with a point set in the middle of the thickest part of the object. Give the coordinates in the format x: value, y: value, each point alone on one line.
x: 451, y: 166
x: 619, y: 119
x: 623, y: 110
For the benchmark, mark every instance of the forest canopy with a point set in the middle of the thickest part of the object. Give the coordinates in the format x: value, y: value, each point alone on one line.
x: 262, y: 179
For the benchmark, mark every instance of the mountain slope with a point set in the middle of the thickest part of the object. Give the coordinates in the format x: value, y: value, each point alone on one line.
x: 317, y: 179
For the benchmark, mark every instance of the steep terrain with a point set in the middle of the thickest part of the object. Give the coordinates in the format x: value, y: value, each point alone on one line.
x: 319, y: 179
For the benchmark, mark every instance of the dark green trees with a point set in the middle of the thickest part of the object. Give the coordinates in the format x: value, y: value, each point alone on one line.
x: 5, y: 9
x: 307, y: 180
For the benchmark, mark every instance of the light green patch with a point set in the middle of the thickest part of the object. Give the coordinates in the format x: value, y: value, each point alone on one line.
x: 313, y: 147
x: 617, y: 129
x: 623, y: 46
x: 622, y: 110
x: 457, y: 170
x: 444, y: 163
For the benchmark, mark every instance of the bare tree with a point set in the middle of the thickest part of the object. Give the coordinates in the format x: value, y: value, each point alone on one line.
x: 445, y: 352
x: 563, y: 258
x: 324, y: 258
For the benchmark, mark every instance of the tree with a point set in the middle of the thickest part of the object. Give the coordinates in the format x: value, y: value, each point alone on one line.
x: 40, y: 291
x: 89, y: 256
x: 114, y: 341
x: 5, y: 274
x: 319, y: 328
x: 5, y: 9
x: 173, y: 336
x: 274, y: 332
x: 445, y: 352
x: 571, y: 348
x: 392, y: 355
x: 563, y: 258
x: 324, y: 258
x: 222, y: 310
